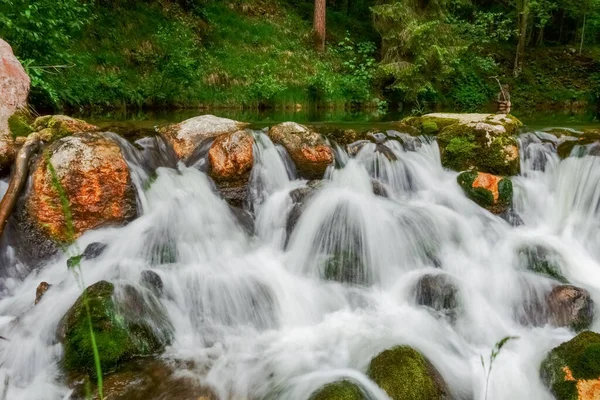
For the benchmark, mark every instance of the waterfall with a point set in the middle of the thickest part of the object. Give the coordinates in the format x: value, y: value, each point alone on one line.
x: 277, y: 313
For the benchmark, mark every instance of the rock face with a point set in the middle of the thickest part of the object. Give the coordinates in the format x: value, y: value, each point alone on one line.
x: 136, y: 325
x: 231, y: 159
x: 570, y: 306
x: 53, y: 127
x: 482, y: 142
x: 438, y: 292
x: 491, y: 192
x: 572, y: 370
x: 309, y: 151
x: 340, y: 390
x: 186, y: 136
x: 403, y: 373
x: 14, y: 86
x: 96, y: 183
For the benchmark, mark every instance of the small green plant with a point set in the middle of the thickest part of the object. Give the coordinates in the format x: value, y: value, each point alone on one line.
x: 495, y: 352
x: 74, y: 264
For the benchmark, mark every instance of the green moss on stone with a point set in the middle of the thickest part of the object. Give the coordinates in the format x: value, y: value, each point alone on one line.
x: 565, y: 149
x: 121, y: 331
x: 505, y: 191
x: 403, y: 373
x: 340, y: 390
x: 345, y: 266
x: 481, y: 196
x: 428, y: 125
x: 581, y: 355
x: 539, y: 260
x: 18, y: 125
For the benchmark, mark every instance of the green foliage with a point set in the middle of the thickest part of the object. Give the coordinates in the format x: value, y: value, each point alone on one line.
x: 493, y: 355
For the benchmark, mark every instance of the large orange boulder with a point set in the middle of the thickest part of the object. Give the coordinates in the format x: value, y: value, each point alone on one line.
x: 94, y: 180
x: 14, y: 86
x: 231, y: 159
x: 188, y: 135
x: 309, y: 151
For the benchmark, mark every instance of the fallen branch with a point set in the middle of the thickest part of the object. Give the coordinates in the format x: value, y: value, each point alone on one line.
x: 17, y: 179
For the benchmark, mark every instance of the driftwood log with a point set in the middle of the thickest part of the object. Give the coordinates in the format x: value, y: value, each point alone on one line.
x: 17, y: 179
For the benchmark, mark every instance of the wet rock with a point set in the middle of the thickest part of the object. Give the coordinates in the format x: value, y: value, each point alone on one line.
x: 379, y: 188
x: 570, y: 306
x: 300, y: 197
x: 541, y: 260
x: 386, y: 151
x: 343, y: 137
x: 186, y: 136
x: 41, y: 290
x: 438, y: 292
x: 356, y: 147
x: 483, y: 142
x: 346, y: 266
x: 14, y: 86
x: 95, y: 180
x: 340, y: 390
x: 403, y: 373
x: 9, y: 147
x: 244, y: 219
x: 512, y: 217
x: 231, y: 160
x: 572, y: 370
x: 580, y: 143
x: 144, y: 379
x: 309, y: 151
x: 94, y: 250
x: 152, y: 281
x: 133, y: 324
x: 53, y: 127
x: 491, y: 192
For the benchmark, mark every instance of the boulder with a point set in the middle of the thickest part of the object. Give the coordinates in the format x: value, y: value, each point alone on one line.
x: 483, y: 142
x: 94, y: 180
x: 14, y: 86
x: 186, y: 136
x: 152, y: 281
x: 340, y: 390
x: 147, y: 378
x: 309, y: 151
x: 586, y: 139
x: 572, y: 370
x: 570, y: 306
x: 133, y: 324
x: 494, y: 193
x: 40, y: 291
x: 231, y: 160
x: 300, y: 198
x: 53, y: 127
x: 541, y: 260
x: 438, y: 292
x: 403, y: 373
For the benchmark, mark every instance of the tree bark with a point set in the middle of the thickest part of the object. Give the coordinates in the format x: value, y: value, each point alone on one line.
x: 18, y: 179
x: 320, y: 24
x: 523, y: 21
x: 582, y: 34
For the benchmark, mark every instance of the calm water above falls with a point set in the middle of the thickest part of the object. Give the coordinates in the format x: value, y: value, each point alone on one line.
x: 254, y: 312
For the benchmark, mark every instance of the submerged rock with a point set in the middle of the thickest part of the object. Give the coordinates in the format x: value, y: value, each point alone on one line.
x: 542, y: 260
x: 570, y: 306
x: 134, y: 325
x: 300, y: 197
x: 152, y: 281
x: 186, y: 136
x: 14, y: 87
x: 40, y: 291
x: 438, y: 292
x: 346, y: 266
x: 403, y: 373
x: 94, y: 250
x: 491, y: 192
x: 340, y: 390
x: 53, y: 127
x: 309, y: 151
x: 94, y: 179
x: 572, y: 370
x: 483, y: 142
x: 231, y: 159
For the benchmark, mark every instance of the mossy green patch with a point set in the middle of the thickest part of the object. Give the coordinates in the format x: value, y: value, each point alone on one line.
x: 340, y: 390
x: 122, y: 330
x: 541, y: 260
x: 484, y: 197
x: 428, y: 125
x: 18, y: 125
x: 581, y: 356
x: 345, y: 266
x: 403, y: 373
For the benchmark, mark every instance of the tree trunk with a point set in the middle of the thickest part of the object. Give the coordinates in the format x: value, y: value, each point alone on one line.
x: 320, y: 24
x: 540, y: 39
x: 523, y: 21
x: 582, y: 34
x: 18, y: 179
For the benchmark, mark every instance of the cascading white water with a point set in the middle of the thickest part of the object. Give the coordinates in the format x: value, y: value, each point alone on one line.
x: 259, y: 319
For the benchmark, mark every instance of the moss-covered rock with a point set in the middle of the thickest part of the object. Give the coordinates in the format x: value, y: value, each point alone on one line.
x: 53, y: 127
x: 484, y: 142
x: 541, y: 260
x: 566, y: 147
x: 438, y: 292
x: 345, y: 266
x: 572, y: 370
x: 134, y: 325
x: 491, y: 192
x: 19, y: 124
x: 403, y: 373
x: 340, y: 390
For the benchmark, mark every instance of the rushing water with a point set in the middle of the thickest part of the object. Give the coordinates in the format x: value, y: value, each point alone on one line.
x: 254, y: 313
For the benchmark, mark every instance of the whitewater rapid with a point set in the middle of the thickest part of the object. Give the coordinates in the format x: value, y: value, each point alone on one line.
x: 253, y: 311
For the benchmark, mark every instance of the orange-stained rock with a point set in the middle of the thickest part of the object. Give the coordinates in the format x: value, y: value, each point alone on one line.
x: 586, y: 389
x: 186, y: 136
x: 489, y: 182
x: 231, y: 156
x: 8, y: 152
x: 309, y: 151
x: 14, y: 85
